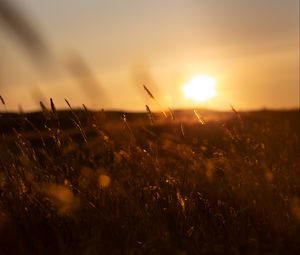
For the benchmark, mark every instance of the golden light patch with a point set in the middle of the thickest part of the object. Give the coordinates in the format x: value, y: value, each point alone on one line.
x: 61, y: 196
x: 104, y: 181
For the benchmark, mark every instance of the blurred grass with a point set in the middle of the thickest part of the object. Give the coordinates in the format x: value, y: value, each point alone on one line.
x: 83, y: 182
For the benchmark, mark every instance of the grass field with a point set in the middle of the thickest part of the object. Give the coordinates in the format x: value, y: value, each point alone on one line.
x: 84, y: 182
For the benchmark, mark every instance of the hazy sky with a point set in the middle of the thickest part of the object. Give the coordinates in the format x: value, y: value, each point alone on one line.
x: 250, y: 47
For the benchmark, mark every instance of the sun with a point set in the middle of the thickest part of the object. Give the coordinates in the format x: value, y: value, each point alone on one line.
x: 200, y: 88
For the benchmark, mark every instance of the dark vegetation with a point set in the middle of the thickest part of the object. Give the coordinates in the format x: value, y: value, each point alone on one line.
x: 83, y: 182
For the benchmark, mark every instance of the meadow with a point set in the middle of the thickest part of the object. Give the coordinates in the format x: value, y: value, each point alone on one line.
x: 179, y: 182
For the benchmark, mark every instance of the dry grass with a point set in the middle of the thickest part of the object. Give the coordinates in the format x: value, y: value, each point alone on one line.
x: 121, y: 186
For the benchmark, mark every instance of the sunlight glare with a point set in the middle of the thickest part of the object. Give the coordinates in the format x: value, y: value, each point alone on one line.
x: 200, y: 88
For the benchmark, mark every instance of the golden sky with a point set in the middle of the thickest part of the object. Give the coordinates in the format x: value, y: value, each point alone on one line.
x: 102, y: 52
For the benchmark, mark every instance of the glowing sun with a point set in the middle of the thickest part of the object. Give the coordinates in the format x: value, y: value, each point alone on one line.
x: 200, y: 88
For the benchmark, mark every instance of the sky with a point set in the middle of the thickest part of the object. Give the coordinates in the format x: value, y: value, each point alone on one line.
x: 102, y: 52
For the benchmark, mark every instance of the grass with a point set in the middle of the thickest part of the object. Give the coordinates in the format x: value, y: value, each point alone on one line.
x: 84, y: 182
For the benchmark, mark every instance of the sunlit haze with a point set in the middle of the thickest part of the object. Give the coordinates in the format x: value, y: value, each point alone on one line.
x: 100, y: 53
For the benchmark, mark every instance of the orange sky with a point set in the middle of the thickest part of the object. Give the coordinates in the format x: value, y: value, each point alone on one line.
x: 250, y: 47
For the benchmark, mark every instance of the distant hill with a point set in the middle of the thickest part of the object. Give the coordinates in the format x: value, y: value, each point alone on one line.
x: 28, y: 121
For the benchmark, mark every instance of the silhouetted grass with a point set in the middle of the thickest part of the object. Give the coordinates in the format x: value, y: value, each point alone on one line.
x: 83, y: 182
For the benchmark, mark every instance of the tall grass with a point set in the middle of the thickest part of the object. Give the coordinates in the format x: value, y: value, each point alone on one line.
x: 104, y: 186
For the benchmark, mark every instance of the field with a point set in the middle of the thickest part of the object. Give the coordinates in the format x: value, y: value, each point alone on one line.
x: 181, y: 182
